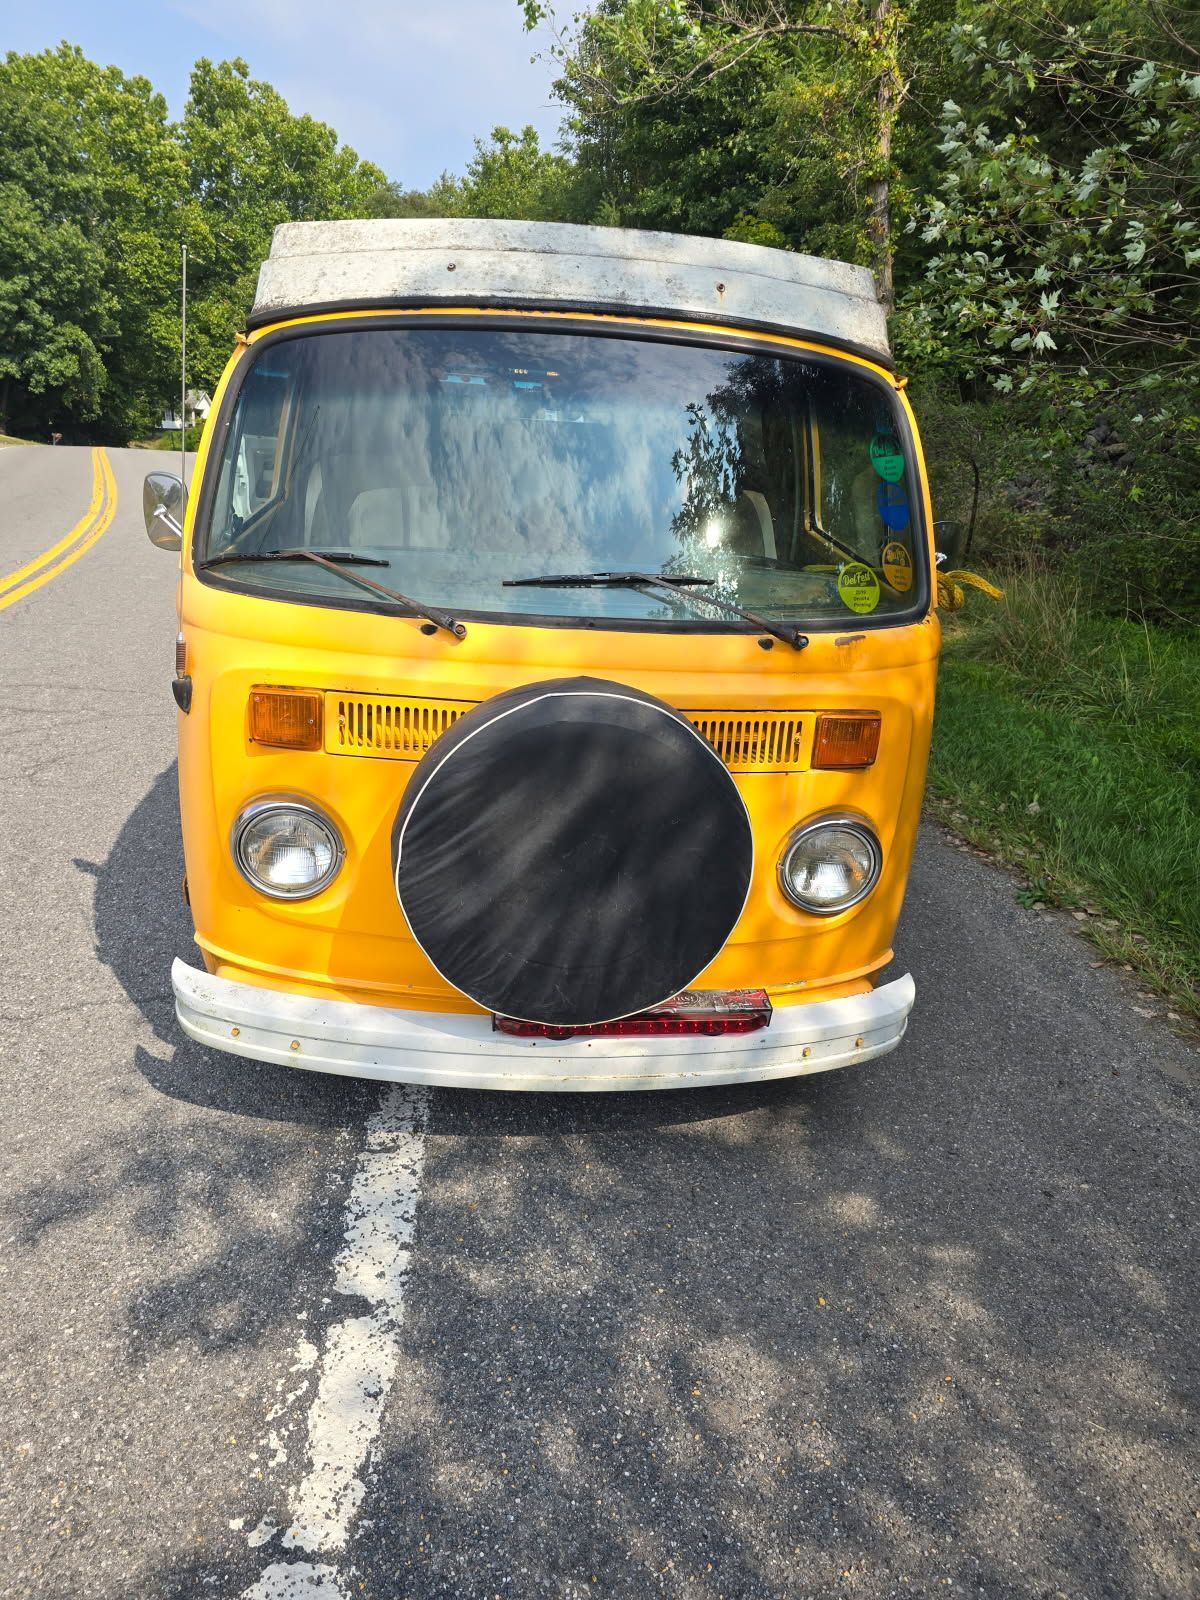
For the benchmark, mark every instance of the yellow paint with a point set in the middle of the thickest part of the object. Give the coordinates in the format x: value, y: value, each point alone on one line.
x: 12, y: 578
x: 96, y: 519
x: 351, y: 942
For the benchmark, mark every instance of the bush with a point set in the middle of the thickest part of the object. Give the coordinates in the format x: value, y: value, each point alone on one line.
x: 1108, y: 500
x: 170, y: 439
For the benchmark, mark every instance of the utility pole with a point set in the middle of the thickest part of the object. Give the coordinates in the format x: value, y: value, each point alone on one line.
x: 183, y: 375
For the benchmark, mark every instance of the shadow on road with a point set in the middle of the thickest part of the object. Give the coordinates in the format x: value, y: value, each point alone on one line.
x: 142, y: 924
x: 918, y: 1328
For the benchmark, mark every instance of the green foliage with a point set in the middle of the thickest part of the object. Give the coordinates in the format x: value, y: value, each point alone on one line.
x: 1105, y: 495
x: 777, y: 121
x: 1065, y: 260
x: 1068, y: 745
x: 251, y: 164
x: 391, y: 200
x: 91, y: 180
x: 170, y: 439
x: 513, y: 177
x: 54, y: 315
x: 98, y: 191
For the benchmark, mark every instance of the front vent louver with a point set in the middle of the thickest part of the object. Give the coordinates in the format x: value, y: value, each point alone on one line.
x: 371, y: 725
x: 752, y: 741
x: 404, y: 729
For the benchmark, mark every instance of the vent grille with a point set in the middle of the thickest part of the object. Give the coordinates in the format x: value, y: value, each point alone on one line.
x: 404, y: 729
x: 369, y: 725
x: 752, y: 741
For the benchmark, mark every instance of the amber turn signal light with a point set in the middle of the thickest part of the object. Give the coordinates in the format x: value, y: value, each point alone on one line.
x: 847, y: 741
x: 289, y: 718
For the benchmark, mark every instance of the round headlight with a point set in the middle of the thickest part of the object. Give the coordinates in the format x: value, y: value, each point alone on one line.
x: 286, y: 849
x: 830, y: 865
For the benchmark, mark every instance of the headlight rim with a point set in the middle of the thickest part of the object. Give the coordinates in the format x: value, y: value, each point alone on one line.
x: 265, y: 804
x: 830, y: 819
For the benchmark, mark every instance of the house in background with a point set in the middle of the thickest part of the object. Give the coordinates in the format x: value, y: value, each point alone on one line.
x: 199, y: 404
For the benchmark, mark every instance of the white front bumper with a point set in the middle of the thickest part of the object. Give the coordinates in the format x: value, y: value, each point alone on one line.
x: 454, y: 1050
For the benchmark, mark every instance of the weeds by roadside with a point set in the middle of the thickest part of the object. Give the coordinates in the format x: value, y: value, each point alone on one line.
x: 1068, y: 745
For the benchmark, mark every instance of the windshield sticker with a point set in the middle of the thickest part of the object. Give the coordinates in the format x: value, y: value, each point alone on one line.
x: 891, y: 502
x: 887, y: 457
x: 858, y: 587
x: 897, y: 567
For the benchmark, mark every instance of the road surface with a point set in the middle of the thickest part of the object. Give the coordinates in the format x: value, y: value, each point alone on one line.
x: 923, y: 1328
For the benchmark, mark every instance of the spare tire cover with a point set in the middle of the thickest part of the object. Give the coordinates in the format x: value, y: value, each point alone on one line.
x: 571, y: 852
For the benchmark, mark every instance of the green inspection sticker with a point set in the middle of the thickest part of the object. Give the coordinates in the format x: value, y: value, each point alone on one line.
x: 858, y: 587
x: 887, y: 458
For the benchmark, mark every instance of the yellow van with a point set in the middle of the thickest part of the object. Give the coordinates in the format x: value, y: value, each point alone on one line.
x: 556, y: 661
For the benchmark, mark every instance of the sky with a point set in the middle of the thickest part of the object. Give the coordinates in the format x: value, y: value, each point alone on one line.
x: 410, y: 85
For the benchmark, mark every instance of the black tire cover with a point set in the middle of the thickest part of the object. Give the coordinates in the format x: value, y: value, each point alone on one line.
x: 571, y: 852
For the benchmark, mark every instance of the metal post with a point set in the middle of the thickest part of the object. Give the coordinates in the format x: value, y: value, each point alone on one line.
x: 183, y: 375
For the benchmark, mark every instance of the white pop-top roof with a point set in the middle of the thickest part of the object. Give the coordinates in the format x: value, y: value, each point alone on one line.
x: 561, y: 266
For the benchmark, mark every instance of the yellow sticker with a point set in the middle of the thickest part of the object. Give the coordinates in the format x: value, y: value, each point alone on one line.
x: 897, y: 566
x: 858, y: 587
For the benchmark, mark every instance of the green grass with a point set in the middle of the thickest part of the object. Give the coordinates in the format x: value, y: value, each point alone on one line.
x: 170, y: 440
x: 1069, y: 746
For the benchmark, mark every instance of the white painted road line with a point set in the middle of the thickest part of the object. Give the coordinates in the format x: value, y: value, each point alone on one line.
x: 297, y: 1581
x: 361, y: 1352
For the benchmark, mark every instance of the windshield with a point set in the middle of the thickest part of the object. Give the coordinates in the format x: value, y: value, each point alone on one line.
x: 462, y: 458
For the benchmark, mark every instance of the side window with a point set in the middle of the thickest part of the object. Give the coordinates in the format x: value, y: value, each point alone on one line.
x: 861, y: 481
x: 259, y: 463
x: 252, y: 472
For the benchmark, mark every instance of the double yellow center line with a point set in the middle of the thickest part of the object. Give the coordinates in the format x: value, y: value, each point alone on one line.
x: 102, y: 508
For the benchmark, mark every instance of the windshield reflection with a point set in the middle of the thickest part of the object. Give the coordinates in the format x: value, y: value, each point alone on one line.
x: 464, y: 456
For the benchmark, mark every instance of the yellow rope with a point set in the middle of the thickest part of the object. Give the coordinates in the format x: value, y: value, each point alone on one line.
x: 950, y: 589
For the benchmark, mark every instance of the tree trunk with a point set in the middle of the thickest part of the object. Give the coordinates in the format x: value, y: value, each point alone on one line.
x: 879, y: 224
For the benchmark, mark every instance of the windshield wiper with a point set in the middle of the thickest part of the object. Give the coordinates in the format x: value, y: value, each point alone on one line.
x: 331, y: 561
x: 599, y: 580
x: 344, y: 557
x: 678, y: 586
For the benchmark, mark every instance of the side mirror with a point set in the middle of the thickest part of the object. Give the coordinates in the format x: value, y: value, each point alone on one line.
x: 163, y: 502
x: 949, y: 540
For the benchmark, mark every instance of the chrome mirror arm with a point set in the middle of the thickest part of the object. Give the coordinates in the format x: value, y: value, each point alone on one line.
x: 161, y: 514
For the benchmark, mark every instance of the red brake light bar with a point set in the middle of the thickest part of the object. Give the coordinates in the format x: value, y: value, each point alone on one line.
x: 708, y: 1012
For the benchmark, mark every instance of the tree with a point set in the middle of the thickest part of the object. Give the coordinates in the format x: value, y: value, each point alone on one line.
x: 842, y: 61
x: 252, y: 164
x: 93, y: 181
x: 441, y: 199
x: 513, y: 176
x: 55, y: 315
x: 1065, y: 256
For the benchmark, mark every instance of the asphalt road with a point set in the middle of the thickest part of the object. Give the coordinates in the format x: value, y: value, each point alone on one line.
x: 925, y: 1327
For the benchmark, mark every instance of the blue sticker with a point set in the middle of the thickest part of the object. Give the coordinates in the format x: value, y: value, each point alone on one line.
x: 891, y: 501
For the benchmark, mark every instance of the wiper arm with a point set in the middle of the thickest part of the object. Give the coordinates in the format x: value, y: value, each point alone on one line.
x: 412, y: 608
x: 599, y: 580
x: 343, y: 557
x: 639, y: 580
